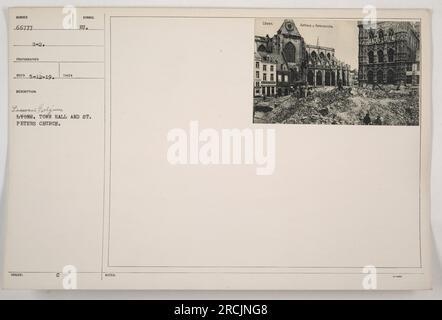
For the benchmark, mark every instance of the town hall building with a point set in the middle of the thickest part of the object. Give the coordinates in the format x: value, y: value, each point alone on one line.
x: 389, y: 53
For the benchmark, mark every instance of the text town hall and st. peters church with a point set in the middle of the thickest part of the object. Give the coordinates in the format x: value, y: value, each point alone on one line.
x: 388, y: 54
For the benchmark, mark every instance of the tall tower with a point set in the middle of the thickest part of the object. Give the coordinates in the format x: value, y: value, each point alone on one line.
x: 292, y: 48
x: 387, y: 52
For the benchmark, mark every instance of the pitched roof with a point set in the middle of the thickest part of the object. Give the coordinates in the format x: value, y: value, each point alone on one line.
x: 272, y: 57
x: 288, y: 27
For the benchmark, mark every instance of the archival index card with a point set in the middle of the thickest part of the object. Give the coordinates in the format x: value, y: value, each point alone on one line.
x: 267, y: 149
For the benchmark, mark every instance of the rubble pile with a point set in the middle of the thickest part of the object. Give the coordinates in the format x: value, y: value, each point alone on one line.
x: 348, y: 106
x: 392, y: 106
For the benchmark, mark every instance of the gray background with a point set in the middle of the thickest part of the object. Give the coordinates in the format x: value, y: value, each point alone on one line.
x: 436, y: 204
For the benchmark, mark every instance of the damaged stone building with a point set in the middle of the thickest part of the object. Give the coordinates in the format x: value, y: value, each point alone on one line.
x: 389, y: 53
x: 295, y: 63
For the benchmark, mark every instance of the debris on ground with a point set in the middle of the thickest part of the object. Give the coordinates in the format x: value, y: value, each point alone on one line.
x: 348, y: 106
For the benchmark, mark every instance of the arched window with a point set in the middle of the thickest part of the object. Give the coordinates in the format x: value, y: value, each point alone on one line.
x: 322, y: 56
x: 328, y: 56
x: 371, y: 34
x: 390, y: 55
x: 262, y: 48
x: 380, y: 56
x: 380, y: 76
x: 290, y: 52
x: 370, y: 57
x: 314, y: 56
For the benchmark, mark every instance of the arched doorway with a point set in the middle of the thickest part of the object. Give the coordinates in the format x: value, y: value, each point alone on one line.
x: 380, y: 76
x: 310, y: 78
x: 294, y: 75
x: 370, y: 77
x: 289, y: 52
x: 327, y: 78
x: 333, y: 78
x: 390, y: 77
x: 319, y: 78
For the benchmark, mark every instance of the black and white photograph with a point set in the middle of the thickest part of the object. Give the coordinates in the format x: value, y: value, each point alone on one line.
x: 336, y: 72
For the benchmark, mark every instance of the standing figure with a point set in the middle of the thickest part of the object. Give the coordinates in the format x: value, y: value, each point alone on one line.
x: 367, y: 119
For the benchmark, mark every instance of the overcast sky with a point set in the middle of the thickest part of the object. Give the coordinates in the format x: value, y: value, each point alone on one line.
x: 339, y: 34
